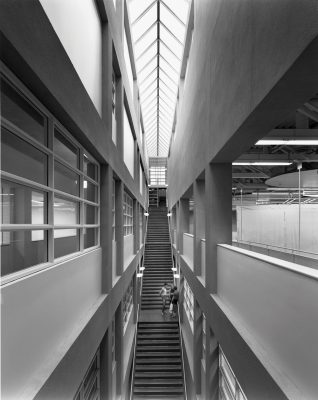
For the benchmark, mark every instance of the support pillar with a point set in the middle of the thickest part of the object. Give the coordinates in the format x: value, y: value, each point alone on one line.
x: 183, y: 222
x: 106, y: 365
x: 197, y: 345
x: 119, y: 227
x: 198, y: 224
x: 119, y: 349
x: 106, y: 189
x: 218, y: 203
x: 212, y: 367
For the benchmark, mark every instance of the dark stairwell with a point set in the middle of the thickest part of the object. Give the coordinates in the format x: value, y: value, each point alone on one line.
x: 158, y: 371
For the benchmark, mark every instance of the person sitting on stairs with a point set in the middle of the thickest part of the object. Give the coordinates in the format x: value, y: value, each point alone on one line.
x: 165, y: 295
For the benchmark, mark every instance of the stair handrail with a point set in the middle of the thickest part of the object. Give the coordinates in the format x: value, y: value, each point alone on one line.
x: 179, y: 322
x: 137, y: 319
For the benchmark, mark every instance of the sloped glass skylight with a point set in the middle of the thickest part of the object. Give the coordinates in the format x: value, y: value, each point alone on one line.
x: 158, y: 31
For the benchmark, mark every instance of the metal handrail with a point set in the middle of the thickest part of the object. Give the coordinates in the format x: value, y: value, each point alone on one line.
x: 180, y: 333
x: 138, y: 311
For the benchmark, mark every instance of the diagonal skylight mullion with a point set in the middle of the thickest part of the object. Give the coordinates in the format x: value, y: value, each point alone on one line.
x: 164, y: 52
x: 151, y: 116
x: 144, y: 91
x: 166, y: 131
x: 154, y: 129
x: 145, y: 12
x: 166, y: 119
x: 146, y: 58
x: 167, y: 47
x: 164, y: 101
x: 172, y: 12
x: 179, y: 8
x: 147, y: 64
x: 174, y: 45
x: 164, y: 139
x: 175, y: 25
x: 146, y: 41
x: 154, y: 43
x: 171, y: 33
x: 148, y: 79
x: 148, y: 75
x: 167, y: 110
x: 145, y: 108
x: 151, y: 120
x: 149, y: 94
x: 167, y: 82
x: 164, y: 114
x: 164, y: 124
x: 173, y: 76
x: 171, y: 66
x: 168, y: 96
x: 137, y: 40
x: 172, y: 81
x: 147, y: 101
x: 153, y: 125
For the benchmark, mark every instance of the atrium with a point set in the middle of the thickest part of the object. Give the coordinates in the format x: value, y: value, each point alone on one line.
x: 159, y: 199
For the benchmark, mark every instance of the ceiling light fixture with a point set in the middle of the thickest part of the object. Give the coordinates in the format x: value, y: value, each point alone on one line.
x: 289, y: 142
x: 262, y: 163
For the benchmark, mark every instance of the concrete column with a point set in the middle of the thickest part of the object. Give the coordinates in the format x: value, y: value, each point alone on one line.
x: 197, y: 345
x: 120, y: 116
x: 218, y: 205
x: 212, y: 367
x: 119, y: 227
x: 181, y: 297
x: 182, y: 221
x: 106, y: 366
x: 120, y: 14
x: 106, y: 189
x: 136, y: 226
x: 119, y: 343
x: 107, y: 70
x: 198, y: 223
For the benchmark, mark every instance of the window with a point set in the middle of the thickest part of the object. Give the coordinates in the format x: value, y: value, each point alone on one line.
x: 204, y: 340
x: 90, y: 386
x: 114, y: 122
x: 188, y: 303
x: 127, y: 305
x: 141, y: 219
x: 52, y: 194
x: 128, y: 215
x: 229, y: 388
x: 114, y: 211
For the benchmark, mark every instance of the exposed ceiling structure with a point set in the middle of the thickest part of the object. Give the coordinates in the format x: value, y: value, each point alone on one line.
x: 294, y: 145
x: 158, y: 30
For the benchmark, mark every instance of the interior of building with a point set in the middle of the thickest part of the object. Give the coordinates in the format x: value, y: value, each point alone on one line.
x: 159, y: 199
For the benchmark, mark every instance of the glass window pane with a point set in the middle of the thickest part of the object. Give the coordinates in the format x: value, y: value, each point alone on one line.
x: 21, y: 205
x: 90, y: 191
x: 144, y: 23
x: 171, y: 42
x: 170, y: 57
x: 65, y: 149
x: 16, y: 109
x: 150, y: 68
x: 137, y: 7
x: 90, y: 168
x: 172, y: 23
x: 90, y: 214
x: 180, y: 8
x: 146, y: 41
x: 32, y: 162
x: 168, y: 69
x: 65, y: 212
x: 90, y: 237
x: 19, y: 250
x: 66, y: 241
x: 65, y: 180
x: 146, y: 57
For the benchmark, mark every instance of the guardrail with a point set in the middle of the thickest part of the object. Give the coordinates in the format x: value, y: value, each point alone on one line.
x: 137, y: 319
x: 180, y: 333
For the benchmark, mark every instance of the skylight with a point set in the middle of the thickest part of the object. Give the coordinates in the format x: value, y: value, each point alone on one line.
x: 158, y: 31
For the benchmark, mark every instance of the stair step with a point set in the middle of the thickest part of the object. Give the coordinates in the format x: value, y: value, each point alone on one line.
x: 158, y: 390
x: 155, y: 382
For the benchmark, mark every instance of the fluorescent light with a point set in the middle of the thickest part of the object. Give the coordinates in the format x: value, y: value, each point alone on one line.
x: 262, y: 163
x: 169, y: 215
x: 139, y: 275
x: 290, y: 142
x: 174, y: 269
x: 142, y: 268
x: 176, y: 276
x: 146, y: 214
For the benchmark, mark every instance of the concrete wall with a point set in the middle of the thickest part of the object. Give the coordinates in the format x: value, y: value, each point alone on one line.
x: 275, y: 301
x: 241, y: 51
x: 129, y: 147
x: 79, y: 29
x: 41, y: 316
x: 278, y: 225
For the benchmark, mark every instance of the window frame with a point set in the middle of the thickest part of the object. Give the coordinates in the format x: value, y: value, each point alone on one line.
x: 49, y: 190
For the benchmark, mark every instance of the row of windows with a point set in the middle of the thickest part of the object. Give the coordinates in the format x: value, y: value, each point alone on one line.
x: 127, y: 305
x: 188, y: 302
x: 49, y: 189
x: 128, y: 215
x: 90, y: 386
x: 229, y: 388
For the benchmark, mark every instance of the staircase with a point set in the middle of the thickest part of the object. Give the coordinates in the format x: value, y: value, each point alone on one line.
x: 158, y: 370
x: 157, y: 259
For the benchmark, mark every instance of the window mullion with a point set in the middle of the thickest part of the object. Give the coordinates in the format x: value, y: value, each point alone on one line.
x: 50, y: 195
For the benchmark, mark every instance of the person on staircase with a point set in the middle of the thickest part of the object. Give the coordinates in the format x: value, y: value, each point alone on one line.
x: 175, y: 299
x: 165, y: 295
